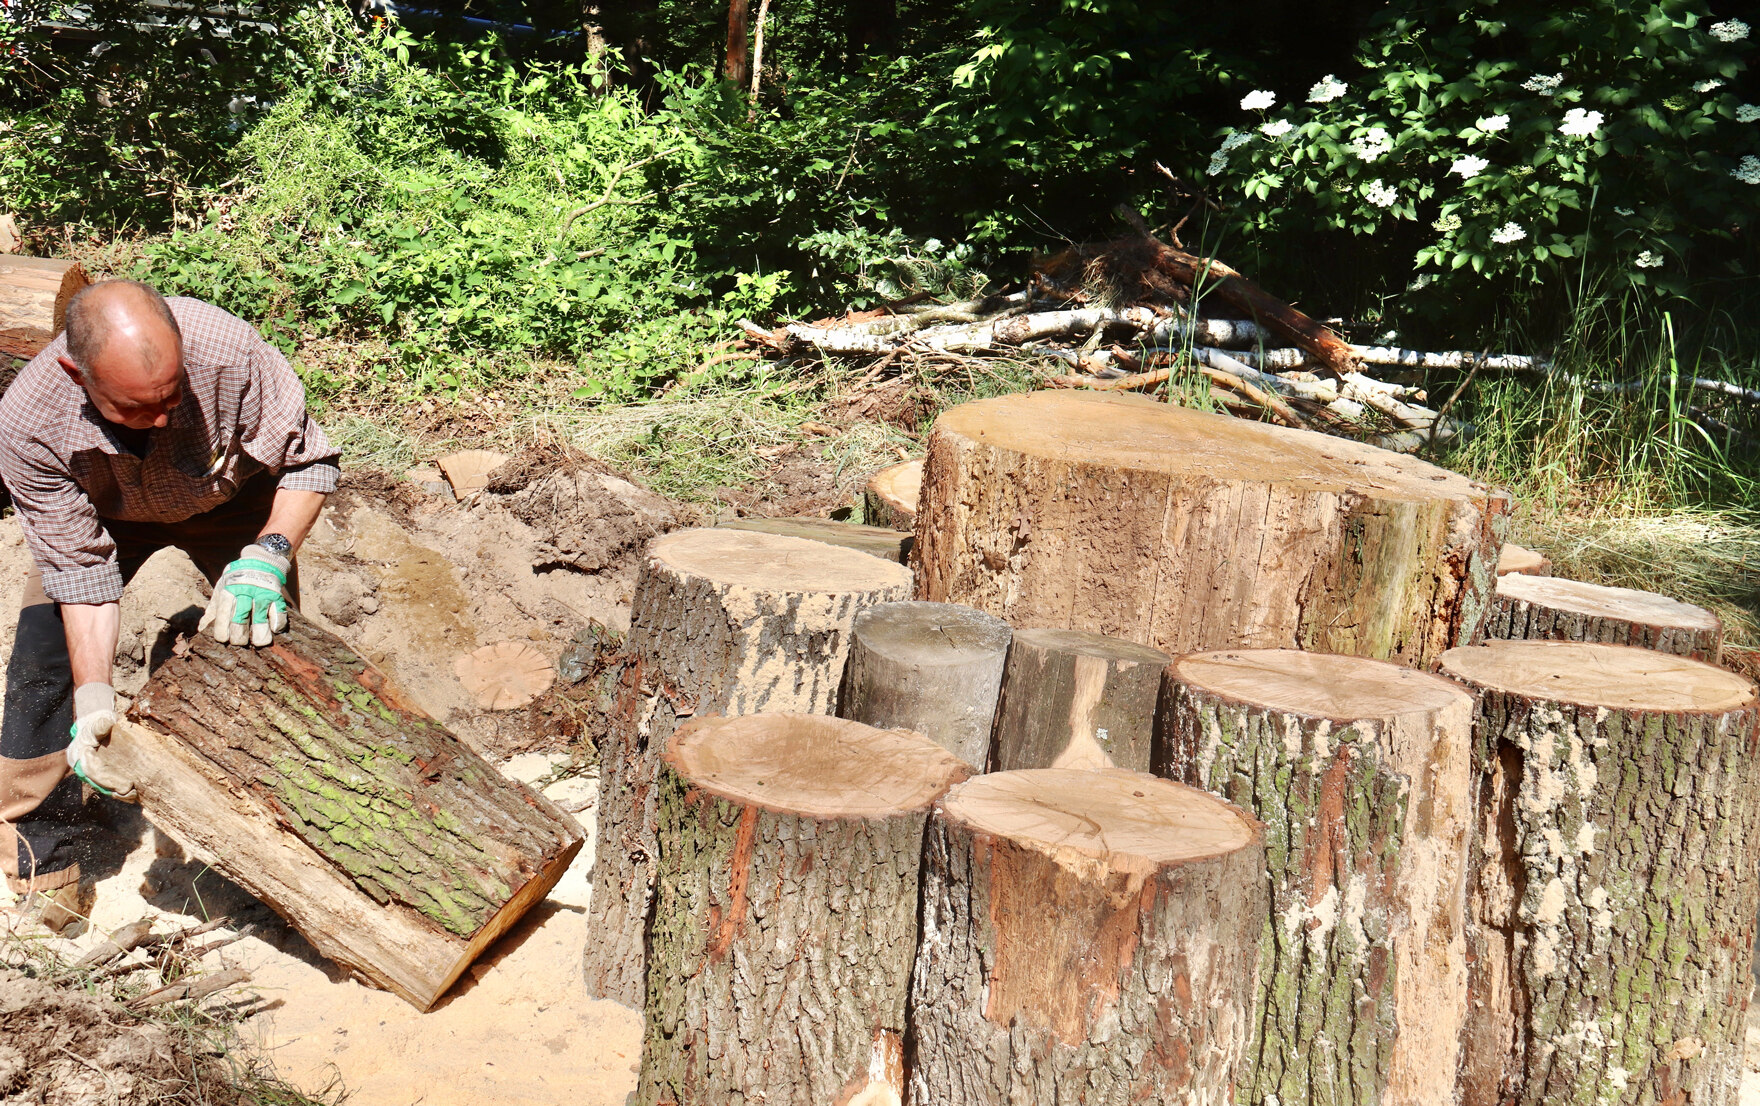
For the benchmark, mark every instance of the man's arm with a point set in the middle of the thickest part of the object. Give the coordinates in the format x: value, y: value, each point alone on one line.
x: 292, y: 514
x: 92, y: 629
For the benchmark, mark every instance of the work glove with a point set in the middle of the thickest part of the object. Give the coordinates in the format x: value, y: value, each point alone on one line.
x: 250, y: 599
x: 94, y: 716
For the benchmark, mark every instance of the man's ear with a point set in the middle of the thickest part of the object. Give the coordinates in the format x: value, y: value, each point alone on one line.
x: 72, y: 371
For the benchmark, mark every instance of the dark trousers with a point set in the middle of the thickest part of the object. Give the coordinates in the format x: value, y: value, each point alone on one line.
x: 42, y: 808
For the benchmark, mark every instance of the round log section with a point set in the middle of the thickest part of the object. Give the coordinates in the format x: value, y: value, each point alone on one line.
x: 933, y: 668
x: 890, y: 498
x: 1189, y: 531
x: 1551, y: 608
x: 1514, y: 558
x: 1360, y: 771
x: 1072, y: 699
x: 1612, y: 882
x: 785, y: 920
x: 723, y: 622
x: 877, y: 541
x: 1087, y: 937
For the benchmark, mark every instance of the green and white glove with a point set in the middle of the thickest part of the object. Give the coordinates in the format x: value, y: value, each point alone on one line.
x: 94, y: 716
x: 250, y: 599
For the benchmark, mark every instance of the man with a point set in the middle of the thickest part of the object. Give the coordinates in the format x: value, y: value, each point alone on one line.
x: 148, y: 423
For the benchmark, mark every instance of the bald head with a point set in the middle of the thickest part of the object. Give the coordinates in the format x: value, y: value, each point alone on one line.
x: 125, y: 349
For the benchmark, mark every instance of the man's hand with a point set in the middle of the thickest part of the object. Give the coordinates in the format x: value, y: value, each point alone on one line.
x: 94, y: 716
x: 250, y: 599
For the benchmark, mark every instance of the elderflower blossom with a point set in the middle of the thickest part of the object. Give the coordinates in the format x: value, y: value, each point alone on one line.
x: 1372, y: 143
x: 1469, y: 167
x: 1491, y: 124
x: 1648, y: 260
x: 1579, y: 123
x: 1747, y: 113
x: 1508, y: 233
x: 1277, y: 128
x: 1258, y: 100
x: 1543, y: 84
x: 1730, y: 30
x: 1711, y: 85
x: 1231, y: 142
x: 1748, y: 172
x: 1326, y: 90
x: 1379, y: 194
x: 1448, y: 223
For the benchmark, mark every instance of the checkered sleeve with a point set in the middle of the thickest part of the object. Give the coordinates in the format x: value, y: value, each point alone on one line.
x: 285, y: 437
x: 61, y: 527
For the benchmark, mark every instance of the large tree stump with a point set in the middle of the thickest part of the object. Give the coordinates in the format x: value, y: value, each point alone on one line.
x: 890, y: 497
x: 933, y: 668
x: 1088, y: 937
x: 302, y: 775
x: 1077, y: 700
x: 1189, y: 531
x: 1551, y: 608
x: 1612, y: 884
x: 1360, y: 771
x: 33, y: 301
x: 785, y: 921
x: 723, y: 622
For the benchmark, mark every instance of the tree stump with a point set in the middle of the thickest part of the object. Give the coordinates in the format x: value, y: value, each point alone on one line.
x: 890, y: 498
x: 1360, y: 771
x: 33, y: 301
x: 1087, y: 937
x: 1612, y: 883
x: 1513, y: 558
x: 723, y: 622
x: 892, y: 545
x: 302, y: 775
x: 786, y: 915
x: 932, y: 668
x: 1551, y: 608
x: 1077, y: 700
x: 1189, y: 531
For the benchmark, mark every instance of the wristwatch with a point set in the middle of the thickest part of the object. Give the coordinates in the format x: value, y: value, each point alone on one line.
x: 275, y: 543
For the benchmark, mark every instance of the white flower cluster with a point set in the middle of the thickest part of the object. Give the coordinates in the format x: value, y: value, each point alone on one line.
x: 1379, y: 194
x: 1543, y: 84
x: 1748, y: 172
x: 1508, y: 233
x: 1258, y: 100
x: 1469, y: 167
x: 1711, y: 85
x: 1233, y: 141
x: 1747, y: 113
x: 1648, y: 260
x: 1580, y: 124
x: 1491, y: 124
x: 1448, y: 223
x: 1277, y: 128
x: 1326, y: 90
x: 1730, y: 30
x: 1372, y: 143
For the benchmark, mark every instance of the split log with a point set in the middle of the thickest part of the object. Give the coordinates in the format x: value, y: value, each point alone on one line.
x: 1360, y: 771
x: 1514, y: 558
x: 1612, y: 882
x: 301, y: 774
x: 890, y: 498
x: 1551, y: 608
x: 876, y: 541
x: 1071, y: 699
x: 1087, y: 937
x: 933, y: 668
x: 33, y: 301
x: 723, y: 622
x: 786, y: 915
x: 1189, y: 531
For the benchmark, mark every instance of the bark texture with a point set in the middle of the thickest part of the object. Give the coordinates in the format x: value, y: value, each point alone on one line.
x: 786, y: 917
x: 723, y: 622
x: 1550, y: 608
x: 890, y: 498
x: 1077, y: 700
x: 1612, y: 881
x: 932, y: 668
x: 1088, y: 937
x: 1189, y: 531
x: 309, y: 739
x: 1359, y: 770
x: 891, y: 545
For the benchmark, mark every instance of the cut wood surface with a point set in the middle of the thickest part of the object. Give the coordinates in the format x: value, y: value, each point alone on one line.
x: 1360, y: 771
x: 505, y: 675
x: 1072, y: 699
x: 890, y: 498
x: 1190, y: 531
x: 1513, y: 558
x: 786, y: 916
x: 1612, y: 881
x: 723, y: 622
x: 1087, y: 937
x: 298, y: 772
x: 468, y: 470
x: 33, y: 301
x: 934, y: 668
x: 1551, y: 608
x: 876, y: 541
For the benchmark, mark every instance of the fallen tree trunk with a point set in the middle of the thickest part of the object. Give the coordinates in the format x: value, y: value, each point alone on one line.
x: 1551, y: 608
x: 299, y: 773
x: 1072, y: 699
x: 33, y: 301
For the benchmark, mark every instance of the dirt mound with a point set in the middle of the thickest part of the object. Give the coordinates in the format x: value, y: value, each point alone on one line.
x: 583, y: 516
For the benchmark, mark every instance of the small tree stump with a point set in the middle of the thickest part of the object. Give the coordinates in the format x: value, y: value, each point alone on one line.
x: 876, y: 541
x: 723, y: 622
x: 1077, y: 700
x: 890, y: 498
x: 1189, y: 531
x: 1087, y: 937
x: 1360, y: 770
x: 1513, y: 558
x: 1612, y: 882
x: 1551, y: 608
x: 933, y: 668
x: 786, y: 915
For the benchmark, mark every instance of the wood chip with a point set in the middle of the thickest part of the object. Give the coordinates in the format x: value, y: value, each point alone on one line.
x: 505, y: 675
x: 468, y: 471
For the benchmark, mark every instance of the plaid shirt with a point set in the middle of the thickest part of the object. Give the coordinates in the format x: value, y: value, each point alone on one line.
x: 243, y: 411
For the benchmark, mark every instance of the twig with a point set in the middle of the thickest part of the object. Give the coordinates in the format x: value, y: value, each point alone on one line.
x: 611, y: 187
